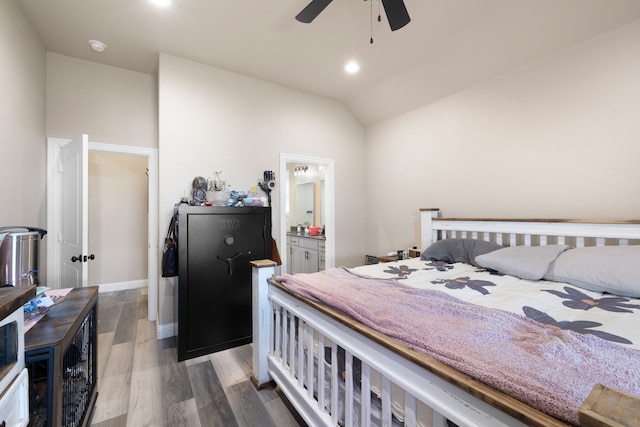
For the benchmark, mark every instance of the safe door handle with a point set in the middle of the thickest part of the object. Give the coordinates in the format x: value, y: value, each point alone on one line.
x: 229, y: 262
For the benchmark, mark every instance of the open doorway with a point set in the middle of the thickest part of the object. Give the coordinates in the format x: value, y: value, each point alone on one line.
x: 54, y: 214
x: 117, y: 221
x: 324, y: 215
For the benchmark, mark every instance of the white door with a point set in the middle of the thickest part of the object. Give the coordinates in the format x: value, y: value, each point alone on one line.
x: 74, y: 212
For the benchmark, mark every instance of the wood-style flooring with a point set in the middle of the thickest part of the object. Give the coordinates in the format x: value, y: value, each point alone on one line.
x: 141, y: 383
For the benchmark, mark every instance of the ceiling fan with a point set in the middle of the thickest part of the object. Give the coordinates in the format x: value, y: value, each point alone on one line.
x: 396, y: 11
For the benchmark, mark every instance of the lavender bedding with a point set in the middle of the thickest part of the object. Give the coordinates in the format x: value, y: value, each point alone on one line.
x: 531, y: 349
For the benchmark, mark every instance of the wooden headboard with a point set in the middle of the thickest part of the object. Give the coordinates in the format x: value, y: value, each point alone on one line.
x: 529, y: 232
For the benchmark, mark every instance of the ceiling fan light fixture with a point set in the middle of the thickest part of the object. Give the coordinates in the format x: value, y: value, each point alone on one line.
x: 352, y: 67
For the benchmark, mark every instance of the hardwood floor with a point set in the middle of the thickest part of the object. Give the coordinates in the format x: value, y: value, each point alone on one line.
x: 141, y: 383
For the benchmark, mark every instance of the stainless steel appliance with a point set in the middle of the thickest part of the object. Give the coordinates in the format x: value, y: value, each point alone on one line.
x: 20, y: 255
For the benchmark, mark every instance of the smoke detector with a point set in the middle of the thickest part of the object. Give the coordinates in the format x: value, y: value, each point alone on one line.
x: 97, y: 46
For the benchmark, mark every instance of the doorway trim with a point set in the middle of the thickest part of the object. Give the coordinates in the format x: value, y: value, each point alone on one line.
x: 54, y: 209
x: 330, y: 211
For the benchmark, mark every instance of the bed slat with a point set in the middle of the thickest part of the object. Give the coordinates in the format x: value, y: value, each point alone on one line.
x: 334, y: 384
x: 410, y: 410
x: 365, y: 406
x: 321, y: 377
x: 386, y: 402
x: 310, y: 354
x: 299, y: 365
x: 348, y: 395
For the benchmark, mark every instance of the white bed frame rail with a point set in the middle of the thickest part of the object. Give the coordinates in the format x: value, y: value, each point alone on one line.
x: 286, y: 329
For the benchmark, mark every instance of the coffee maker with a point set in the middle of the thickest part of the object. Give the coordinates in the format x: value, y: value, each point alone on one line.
x: 20, y: 255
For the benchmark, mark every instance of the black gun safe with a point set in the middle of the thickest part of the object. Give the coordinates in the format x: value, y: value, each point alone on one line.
x: 215, y: 245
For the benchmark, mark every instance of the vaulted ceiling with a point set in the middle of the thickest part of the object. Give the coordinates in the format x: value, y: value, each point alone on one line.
x: 449, y: 45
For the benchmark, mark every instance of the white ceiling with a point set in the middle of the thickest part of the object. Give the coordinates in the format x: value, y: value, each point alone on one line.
x: 449, y: 45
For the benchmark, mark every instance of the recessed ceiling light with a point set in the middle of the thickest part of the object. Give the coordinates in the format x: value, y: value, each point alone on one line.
x: 161, y: 3
x: 352, y: 67
x: 97, y: 45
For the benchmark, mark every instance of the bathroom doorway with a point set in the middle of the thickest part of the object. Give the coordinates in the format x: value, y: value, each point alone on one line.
x: 324, y: 198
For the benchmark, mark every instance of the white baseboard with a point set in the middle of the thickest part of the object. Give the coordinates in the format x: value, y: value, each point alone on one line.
x: 167, y: 331
x: 123, y: 286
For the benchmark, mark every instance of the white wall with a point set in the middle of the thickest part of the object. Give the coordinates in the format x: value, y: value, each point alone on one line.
x: 110, y: 104
x: 558, y: 138
x: 215, y: 120
x: 23, y: 146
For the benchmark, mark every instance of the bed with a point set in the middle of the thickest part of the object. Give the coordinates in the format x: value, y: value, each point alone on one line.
x: 488, y: 290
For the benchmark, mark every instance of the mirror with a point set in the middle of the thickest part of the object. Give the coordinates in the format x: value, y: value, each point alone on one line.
x: 305, y: 194
x: 305, y: 197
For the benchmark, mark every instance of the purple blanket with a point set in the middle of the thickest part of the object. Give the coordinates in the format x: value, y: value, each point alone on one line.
x: 548, y: 368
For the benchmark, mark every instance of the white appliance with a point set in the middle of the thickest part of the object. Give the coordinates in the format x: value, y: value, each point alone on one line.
x: 14, y: 380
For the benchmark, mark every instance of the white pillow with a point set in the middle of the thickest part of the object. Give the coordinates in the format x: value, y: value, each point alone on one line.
x: 613, y: 269
x: 526, y: 262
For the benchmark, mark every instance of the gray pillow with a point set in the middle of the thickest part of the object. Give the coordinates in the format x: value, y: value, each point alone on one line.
x: 526, y: 262
x: 613, y: 269
x: 458, y: 250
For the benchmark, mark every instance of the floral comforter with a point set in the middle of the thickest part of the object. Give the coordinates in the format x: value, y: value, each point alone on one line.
x: 610, y: 317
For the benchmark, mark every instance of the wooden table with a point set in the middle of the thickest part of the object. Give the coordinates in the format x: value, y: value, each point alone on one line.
x: 69, y: 325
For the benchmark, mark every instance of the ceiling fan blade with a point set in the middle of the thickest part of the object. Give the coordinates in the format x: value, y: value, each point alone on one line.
x: 312, y: 10
x: 397, y: 14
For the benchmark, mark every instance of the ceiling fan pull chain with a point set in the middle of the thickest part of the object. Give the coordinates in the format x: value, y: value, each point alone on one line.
x: 379, y: 17
x: 371, y: 15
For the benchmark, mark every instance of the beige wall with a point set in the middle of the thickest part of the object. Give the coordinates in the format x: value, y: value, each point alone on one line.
x: 109, y: 104
x: 215, y: 120
x: 117, y: 218
x: 22, y: 122
x: 559, y: 138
